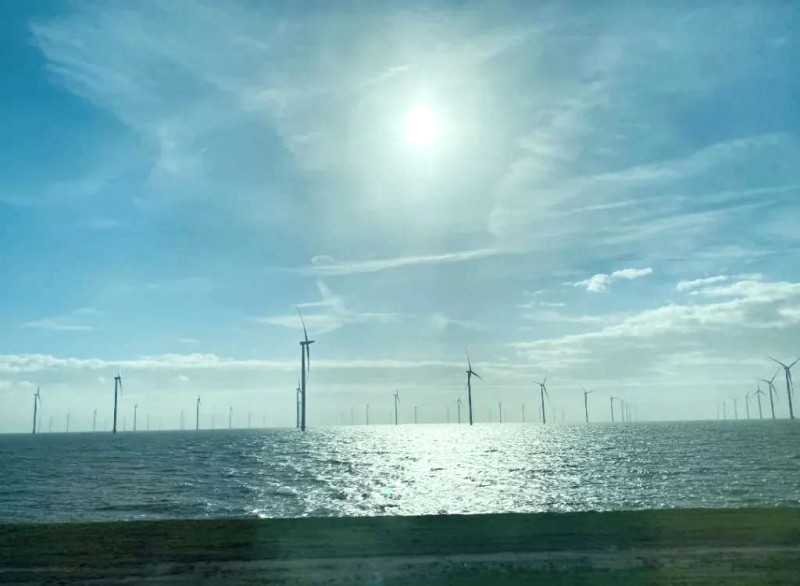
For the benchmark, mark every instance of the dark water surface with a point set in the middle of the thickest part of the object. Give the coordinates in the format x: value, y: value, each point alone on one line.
x: 405, y: 470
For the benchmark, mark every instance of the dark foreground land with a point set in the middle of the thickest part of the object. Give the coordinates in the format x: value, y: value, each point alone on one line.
x: 745, y: 546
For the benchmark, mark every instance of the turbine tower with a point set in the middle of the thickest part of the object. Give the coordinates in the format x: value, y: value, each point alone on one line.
x: 747, y: 404
x: 458, y: 403
x: 470, y: 374
x: 230, y: 417
x: 396, y: 401
x: 37, y: 398
x: 305, y: 354
x: 523, y: 413
x: 611, y: 399
x: 135, y: 409
x: 94, y: 420
x: 772, y: 390
x: 586, y: 403
x: 197, y: 415
x: 735, y: 408
x: 789, y: 387
x: 297, y: 405
x: 117, y: 387
x: 500, y: 410
x: 542, y: 393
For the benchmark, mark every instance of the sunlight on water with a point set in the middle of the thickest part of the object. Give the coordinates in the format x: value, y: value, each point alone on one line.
x: 405, y: 470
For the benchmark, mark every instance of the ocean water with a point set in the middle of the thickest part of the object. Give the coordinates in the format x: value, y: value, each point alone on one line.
x: 404, y: 470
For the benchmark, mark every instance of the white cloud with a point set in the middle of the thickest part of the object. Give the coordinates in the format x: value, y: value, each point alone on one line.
x: 328, y: 266
x: 441, y: 322
x: 74, y: 321
x: 328, y: 314
x: 188, y: 340
x: 601, y: 282
x: 687, y: 285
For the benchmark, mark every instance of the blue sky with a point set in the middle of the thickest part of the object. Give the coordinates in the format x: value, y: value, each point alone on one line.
x: 611, y: 197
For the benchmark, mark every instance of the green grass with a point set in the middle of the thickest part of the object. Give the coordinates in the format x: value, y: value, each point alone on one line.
x: 102, y: 546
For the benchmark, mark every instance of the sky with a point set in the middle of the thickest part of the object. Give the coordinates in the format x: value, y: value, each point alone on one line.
x: 608, y: 194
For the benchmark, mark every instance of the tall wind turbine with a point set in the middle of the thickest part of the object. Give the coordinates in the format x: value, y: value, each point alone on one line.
x: 747, y: 404
x: 197, y: 415
x: 67, y: 428
x: 230, y: 417
x: 523, y: 413
x: 771, y: 385
x: 757, y: 393
x: 789, y: 387
x: 135, y: 409
x: 611, y: 399
x: 458, y: 403
x: 621, y: 409
x: 586, y: 403
x: 94, y: 420
x: 542, y: 393
x: 396, y: 401
x: 305, y: 354
x: 117, y: 387
x: 181, y: 419
x: 470, y: 374
x: 735, y: 407
x: 367, y: 417
x: 37, y: 398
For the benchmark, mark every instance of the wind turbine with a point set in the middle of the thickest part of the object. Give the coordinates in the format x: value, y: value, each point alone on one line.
x: 586, y: 403
x: 230, y: 417
x: 458, y: 403
x: 758, y: 392
x: 305, y: 354
x: 621, y: 409
x: 67, y: 428
x: 500, y: 410
x: 37, y: 398
x: 396, y: 401
x: 523, y: 413
x: 94, y: 420
x: 724, y: 410
x: 542, y: 393
x: 197, y: 415
x: 415, y: 413
x: 771, y: 385
x: 735, y: 408
x: 181, y: 419
x: 789, y: 386
x: 135, y: 409
x: 117, y: 385
x: 747, y: 404
x: 611, y: 399
x: 470, y: 374
x: 367, y: 418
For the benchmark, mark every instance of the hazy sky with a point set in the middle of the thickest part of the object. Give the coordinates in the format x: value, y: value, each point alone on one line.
x: 606, y: 192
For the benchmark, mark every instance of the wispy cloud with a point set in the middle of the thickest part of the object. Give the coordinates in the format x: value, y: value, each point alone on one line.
x: 75, y: 320
x: 327, y: 266
x: 601, y: 281
x: 328, y: 314
x: 687, y: 285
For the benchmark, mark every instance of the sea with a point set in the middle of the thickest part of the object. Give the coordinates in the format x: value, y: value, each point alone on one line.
x: 398, y: 470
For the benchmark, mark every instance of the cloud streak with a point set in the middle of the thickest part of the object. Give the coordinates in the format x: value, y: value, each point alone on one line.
x: 601, y: 281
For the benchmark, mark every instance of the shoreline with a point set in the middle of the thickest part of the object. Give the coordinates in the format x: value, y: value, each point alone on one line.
x: 696, y: 546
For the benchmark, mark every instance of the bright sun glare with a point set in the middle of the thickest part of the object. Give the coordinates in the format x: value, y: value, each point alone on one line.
x: 422, y: 127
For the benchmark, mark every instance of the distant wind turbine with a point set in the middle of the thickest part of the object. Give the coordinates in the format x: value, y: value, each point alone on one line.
x: 586, y: 403
x: 305, y: 354
x: 523, y: 413
x: 230, y: 417
x: 458, y: 404
x: 789, y: 386
x: 117, y: 387
x: 197, y: 415
x: 367, y: 417
x: 50, y: 425
x: 500, y: 410
x: 611, y: 399
x: 542, y: 393
x: 94, y: 420
x: 396, y: 401
x: 470, y: 374
x: 181, y: 419
x: 735, y: 408
x: 135, y: 409
x: 621, y: 409
x: 415, y: 413
x: 747, y: 404
x: 724, y: 410
x: 37, y: 398
x: 297, y: 405
x: 68, y: 422
x: 772, y: 391
x: 757, y: 393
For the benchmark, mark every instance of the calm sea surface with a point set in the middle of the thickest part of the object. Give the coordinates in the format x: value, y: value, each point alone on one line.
x: 405, y: 470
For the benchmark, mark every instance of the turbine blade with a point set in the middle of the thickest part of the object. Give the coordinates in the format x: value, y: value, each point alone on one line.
x: 477, y: 375
x: 795, y: 362
x: 302, y: 321
x: 778, y: 361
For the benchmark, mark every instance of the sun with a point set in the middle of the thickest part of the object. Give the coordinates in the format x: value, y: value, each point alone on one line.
x: 422, y: 126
